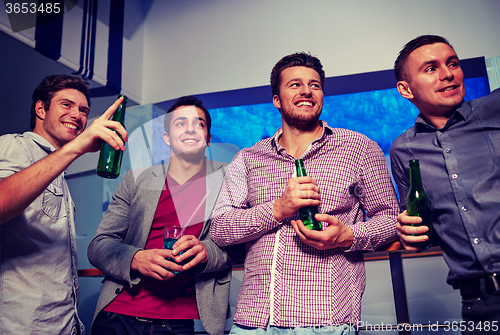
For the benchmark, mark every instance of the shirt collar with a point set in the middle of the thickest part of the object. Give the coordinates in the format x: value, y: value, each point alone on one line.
x: 327, y: 130
x: 460, y: 114
x: 42, y: 142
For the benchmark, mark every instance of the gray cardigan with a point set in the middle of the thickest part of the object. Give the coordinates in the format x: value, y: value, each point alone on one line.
x: 125, y: 228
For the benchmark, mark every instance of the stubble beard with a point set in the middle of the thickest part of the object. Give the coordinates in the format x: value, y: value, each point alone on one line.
x: 300, y: 122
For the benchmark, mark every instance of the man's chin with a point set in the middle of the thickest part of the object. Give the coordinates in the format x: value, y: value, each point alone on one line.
x: 192, y: 155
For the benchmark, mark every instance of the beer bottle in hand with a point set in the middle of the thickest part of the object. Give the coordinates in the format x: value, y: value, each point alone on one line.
x: 418, y: 203
x: 307, y: 213
x: 110, y: 159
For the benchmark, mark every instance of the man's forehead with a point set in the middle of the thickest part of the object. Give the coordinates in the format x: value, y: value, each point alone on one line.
x: 433, y: 51
x: 72, y: 95
x: 188, y: 111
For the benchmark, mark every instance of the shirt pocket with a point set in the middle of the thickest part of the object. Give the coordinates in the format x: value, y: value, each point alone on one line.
x: 53, y: 202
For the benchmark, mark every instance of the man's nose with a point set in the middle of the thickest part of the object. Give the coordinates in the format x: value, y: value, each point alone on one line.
x: 446, y: 73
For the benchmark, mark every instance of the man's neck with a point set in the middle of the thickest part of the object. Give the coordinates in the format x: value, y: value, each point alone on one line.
x: 296, y: 141
x: 182, y: 170
x: 437, y: 121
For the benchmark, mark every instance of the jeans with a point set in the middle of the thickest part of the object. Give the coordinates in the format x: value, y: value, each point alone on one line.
x: 108, y: 323
x: 481, y: 315
x: 313, y: 330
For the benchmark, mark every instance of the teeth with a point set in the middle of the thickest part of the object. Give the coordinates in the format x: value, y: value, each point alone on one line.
x: 190, y: 141
x: 305, y: 103
x: 448, y: 89
x: 71, y: 126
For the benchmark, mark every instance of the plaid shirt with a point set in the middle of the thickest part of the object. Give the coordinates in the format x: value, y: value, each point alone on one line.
x: 286, y: 281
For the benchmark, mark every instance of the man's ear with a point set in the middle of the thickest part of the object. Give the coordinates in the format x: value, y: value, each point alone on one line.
x: 40, y: 110
x: 166, y: 138
x: 209, y: 138
x: 404, y: 89
x: 276, y: 101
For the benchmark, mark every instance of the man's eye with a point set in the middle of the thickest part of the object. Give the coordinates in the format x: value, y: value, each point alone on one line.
x: 316, y: 86
x: 294, y: 85
x: 430, y: 69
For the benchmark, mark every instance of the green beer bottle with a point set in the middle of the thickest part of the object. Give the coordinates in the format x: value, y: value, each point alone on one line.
x: 417, y: 202
x: 110, y: 159
x: 307, y: 213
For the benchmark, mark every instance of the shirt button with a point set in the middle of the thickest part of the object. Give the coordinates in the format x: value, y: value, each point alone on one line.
x: 476, y: 241
x: 464, y: 209
x: 448, y: 151
x: 454, y: 176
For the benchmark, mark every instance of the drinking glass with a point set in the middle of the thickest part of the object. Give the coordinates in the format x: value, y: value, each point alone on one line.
x: 170, y: 236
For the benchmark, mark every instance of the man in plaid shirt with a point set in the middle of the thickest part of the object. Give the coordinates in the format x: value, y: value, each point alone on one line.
x: 296, y: 279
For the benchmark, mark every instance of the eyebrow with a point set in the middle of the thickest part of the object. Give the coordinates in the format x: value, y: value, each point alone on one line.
x: 434, y: 61
x: 301, y: 80
x: 85, y: 108
x: 183, y: 118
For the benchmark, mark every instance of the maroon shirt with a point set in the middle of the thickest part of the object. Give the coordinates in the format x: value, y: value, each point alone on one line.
x: 179, y: 205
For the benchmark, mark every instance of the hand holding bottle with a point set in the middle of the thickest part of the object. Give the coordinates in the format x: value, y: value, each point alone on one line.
x: 102, y: 129
x: 335, y: 235
x: 418, y: 205
x: 410, y: 231
x: 299, y: 192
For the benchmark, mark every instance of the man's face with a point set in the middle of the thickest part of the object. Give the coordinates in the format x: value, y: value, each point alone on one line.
x: 66, y: 118
x: 300, y: 98
x: 188, y: 132
x: 434, y: 80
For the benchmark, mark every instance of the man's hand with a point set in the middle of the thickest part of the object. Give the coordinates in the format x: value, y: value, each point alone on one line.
x: 152, y: 263
x: 299, y: 192
x: 405, y: 230
x: 100, y: 130
x: 190, y: 247
x: 335, y: 235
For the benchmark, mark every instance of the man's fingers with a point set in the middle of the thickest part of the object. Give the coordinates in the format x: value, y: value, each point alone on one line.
x: 111, y: 110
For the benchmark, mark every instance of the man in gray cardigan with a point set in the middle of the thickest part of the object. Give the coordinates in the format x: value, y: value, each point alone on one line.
x: 147, y: 286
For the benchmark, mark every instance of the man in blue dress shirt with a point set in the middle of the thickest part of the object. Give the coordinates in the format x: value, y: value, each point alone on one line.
x: 458, y: 146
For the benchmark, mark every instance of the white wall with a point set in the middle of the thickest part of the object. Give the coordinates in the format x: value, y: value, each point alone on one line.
x: 199, y: 46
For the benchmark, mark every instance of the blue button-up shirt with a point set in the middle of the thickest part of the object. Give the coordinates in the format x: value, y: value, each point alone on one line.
x: 460, y: 167
x: 38, y: 268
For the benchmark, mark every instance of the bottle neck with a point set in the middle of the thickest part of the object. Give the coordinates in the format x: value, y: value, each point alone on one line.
x: 415, y: 177
x: 301, y: 170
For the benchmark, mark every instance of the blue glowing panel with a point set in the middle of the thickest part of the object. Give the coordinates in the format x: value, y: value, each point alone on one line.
x: 382, y: 115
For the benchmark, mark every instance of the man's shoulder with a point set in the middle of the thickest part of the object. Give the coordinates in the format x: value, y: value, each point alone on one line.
x: 11, y: 137
x: 347, y: 135
x: 216, y: 165
x: 399, y: 141
x: 492, y: 98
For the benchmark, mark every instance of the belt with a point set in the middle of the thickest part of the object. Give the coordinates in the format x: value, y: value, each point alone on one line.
x: 477, y: 287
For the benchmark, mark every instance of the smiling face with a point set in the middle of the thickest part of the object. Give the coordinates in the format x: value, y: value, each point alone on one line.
x: 66, y: 118
x: 300, y: 98
x: 188, y: 132
x: 434, y: 80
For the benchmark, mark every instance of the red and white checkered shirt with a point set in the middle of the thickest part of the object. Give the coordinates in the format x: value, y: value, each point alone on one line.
x: 286, y: 281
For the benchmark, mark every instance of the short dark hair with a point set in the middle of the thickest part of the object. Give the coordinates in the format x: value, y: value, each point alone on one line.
x: 186, y: 101
x: 52, y: 84
x: 399, y: 65
x: 296, y: 59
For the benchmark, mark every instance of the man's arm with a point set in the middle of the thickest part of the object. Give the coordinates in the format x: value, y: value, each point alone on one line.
x: 234, y: 221
x: 22, y: 188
